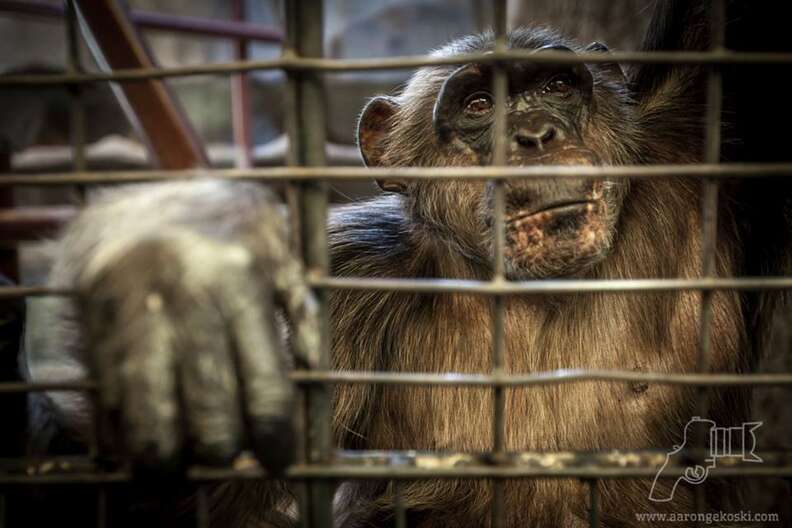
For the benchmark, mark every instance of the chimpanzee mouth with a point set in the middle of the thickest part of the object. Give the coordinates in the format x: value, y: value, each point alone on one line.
x: 548, y: 211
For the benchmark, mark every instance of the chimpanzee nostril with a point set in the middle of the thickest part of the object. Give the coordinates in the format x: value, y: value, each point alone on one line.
x: 535, y: 137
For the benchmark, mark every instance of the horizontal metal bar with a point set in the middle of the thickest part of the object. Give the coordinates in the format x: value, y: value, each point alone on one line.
x: 207, y: 27
x: 7, y: 387
x: 722, y: 170
x: 414, y: 465
x: 347, y: 377
x: 551, y: 286
x: 334, y: 471
x: 294, y: 63
x: 547, y: 286
x: 535, y: 378
x: 19, y: 224
x: 16, y: 292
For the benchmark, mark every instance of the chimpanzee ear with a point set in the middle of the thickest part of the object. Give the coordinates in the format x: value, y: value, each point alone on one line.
x: 613, y: 67
x: 373, y: 129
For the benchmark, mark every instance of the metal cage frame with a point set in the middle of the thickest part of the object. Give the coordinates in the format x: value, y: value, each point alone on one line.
x: 319, y: 464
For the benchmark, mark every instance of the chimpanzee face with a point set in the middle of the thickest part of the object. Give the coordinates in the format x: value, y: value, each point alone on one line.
x: 554, y: 227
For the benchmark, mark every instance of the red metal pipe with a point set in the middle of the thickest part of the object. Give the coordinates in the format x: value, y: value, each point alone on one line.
x: 159, y: 21
x: 240, y: 97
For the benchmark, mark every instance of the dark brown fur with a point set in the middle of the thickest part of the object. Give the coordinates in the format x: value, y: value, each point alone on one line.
x: 658, y: 235
x: 442, y: 230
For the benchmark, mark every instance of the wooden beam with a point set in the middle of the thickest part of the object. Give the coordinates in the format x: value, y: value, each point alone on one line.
x: 150, y: 104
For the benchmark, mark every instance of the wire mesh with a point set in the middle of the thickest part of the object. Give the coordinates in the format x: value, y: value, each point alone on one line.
x: 318, y: 464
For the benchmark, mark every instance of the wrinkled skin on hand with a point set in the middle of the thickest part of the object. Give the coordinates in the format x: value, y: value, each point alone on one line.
x: 181, y: 332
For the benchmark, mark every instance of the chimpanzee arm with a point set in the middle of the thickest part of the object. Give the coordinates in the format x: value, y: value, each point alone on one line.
x: 177, y: 288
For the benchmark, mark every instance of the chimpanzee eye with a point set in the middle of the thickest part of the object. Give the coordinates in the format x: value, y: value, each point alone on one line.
x: 560, y: 85
x: 478, y: 104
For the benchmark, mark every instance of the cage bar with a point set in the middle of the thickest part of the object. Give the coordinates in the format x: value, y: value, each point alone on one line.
x: 78, y: 139
x: 412, y: 465
x: 549, y: 286
x: 500, y: 85
x: 202, y: 511
x: 77, y: 108
x: 240, y: 97
x: 300, y: 174
x: 709, y: 218
x: 406, y: 62
x: 469, y: 380
x: 593, y: 509
x: 319, y: 465
x: 307, y: 377
x: 400, y: 514
x: 158, y: 21
x: 305, y: 38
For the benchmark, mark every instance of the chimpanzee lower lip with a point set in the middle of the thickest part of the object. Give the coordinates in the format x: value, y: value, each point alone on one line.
x: 558, y: 207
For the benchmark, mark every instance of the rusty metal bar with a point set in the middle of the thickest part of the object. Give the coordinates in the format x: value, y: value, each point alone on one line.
x: 78, y: 139
x: 8, y: 387
x: 292, y: 124
x: 77, y: 109
x: 400, y: 513
x: 290, y: 63
x: 202, y: 511
x: 538, y: 378
x: 340, y: 377
x: 9, y: 262
x: 240, y: 98
x: 33, y: 223
x: 158, y: 21
x: 307, y: 129
x: 548, y: 286
x: 101, y: 507
x: 416, y: 465
x: 299, y: 174
x: 552, y: 286
x: 594, y: 503
x: 152, y: 106
x: 500, y: 87
x: 709, y: 218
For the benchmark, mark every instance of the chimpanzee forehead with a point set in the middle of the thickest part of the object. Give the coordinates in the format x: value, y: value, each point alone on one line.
x: 520, y: 74
x: 519, y: 38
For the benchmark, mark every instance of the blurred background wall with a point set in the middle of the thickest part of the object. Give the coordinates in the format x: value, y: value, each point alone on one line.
x: 354, y: 29
x: 35, y: 123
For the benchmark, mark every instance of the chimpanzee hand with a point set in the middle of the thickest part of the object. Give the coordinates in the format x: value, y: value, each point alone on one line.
x: 181, y: 333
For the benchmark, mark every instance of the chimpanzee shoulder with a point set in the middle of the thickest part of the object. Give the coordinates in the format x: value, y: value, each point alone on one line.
x: 369, y: 238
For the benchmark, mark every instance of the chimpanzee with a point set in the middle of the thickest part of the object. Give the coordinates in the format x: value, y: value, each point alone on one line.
x: 181, y: 284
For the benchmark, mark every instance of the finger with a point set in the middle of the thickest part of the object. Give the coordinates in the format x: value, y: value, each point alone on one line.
x: 291, y: 289
x: 267, y: 393
x: 209, y: 387
x: 152, y: 433
x: 106, y: 339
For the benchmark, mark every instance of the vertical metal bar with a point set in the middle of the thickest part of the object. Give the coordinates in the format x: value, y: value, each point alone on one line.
x: 398, y: 504
x: 201, y: 508
x: 9, y: 263
x: 240, y: 97
x: 709, y: 215
x: 593, y: 503
x: 77, y: 108
x: 291, y: 119
x: 500, y: 142
x: 307, y: 126
x: 101, y: 508
x: 77, y: 132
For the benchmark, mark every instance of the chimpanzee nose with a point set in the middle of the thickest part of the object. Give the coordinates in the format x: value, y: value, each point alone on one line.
x: 536, y: 137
